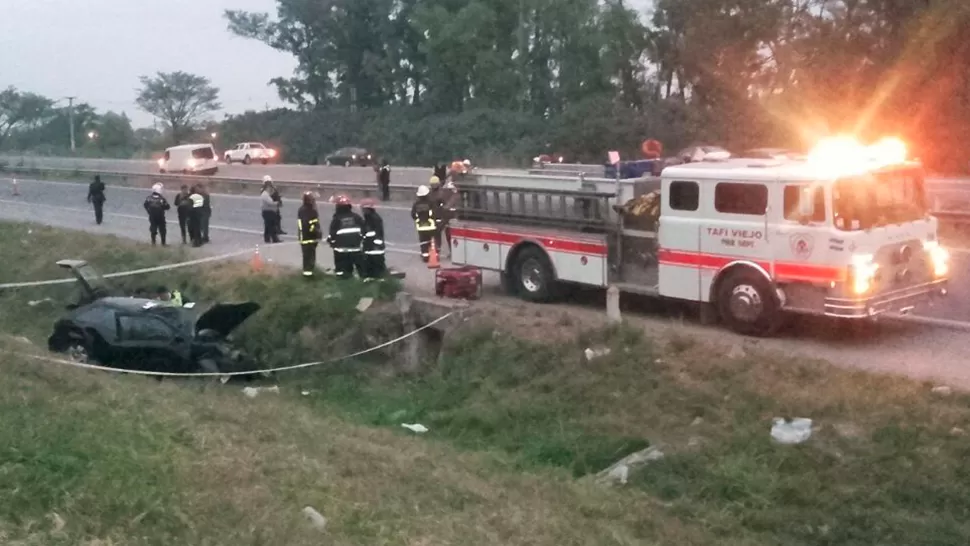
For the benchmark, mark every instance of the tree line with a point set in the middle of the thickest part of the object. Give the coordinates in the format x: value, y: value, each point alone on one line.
x: 500, y: 81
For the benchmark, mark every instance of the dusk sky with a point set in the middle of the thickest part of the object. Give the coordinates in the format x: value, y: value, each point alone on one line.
x: 97, y: 49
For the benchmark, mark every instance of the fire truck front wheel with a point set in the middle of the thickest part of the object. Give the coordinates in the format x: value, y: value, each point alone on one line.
x: 748, y: 304
x: 532, y: 276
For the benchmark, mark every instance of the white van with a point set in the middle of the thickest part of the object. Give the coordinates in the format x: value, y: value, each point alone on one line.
x: 189, y: 159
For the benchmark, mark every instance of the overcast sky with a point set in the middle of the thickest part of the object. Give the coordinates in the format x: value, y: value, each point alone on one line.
x: 96, y: 50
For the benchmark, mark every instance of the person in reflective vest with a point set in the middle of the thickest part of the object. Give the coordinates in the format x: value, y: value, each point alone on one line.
x: 156, y: 205
x: 308, y: 230
x: 374, y: 265
x: 195, y: 216
x: 346, y: 238
x: 422, y: 212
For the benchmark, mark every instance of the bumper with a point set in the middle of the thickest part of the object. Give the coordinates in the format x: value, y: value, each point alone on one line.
x: 896, y: 301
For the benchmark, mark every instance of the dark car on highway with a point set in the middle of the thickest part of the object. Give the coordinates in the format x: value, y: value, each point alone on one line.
x: 146, y: 334
x: 350, y: 157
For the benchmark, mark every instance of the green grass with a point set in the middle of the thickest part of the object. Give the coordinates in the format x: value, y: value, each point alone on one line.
x: 516, y: 428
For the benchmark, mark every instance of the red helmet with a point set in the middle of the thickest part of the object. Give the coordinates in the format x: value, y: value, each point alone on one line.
x: 342, y: 200
x: 367, y: 203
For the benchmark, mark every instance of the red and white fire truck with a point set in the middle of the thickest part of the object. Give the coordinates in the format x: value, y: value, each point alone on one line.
x: 846, y: 233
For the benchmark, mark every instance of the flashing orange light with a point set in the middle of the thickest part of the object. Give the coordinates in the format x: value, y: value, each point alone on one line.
x: 840, y: 155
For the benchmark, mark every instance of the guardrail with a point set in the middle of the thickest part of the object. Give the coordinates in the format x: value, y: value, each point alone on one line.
x: 240, y: 186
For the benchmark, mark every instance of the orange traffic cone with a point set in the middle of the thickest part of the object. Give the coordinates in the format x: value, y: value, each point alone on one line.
x: 433, y: 257
x: 257, y: 261
x: 16, y: 187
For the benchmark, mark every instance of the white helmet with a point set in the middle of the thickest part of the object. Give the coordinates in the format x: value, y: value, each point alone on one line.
x: 467, y: 162
x: 423, y: 191
x: 267, y: 178
x: 157, y: 187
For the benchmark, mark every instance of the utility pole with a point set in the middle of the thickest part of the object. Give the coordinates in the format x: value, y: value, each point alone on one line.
x: 70, y: 119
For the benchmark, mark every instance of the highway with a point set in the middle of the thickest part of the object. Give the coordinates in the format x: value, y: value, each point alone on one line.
x: 916, y: 350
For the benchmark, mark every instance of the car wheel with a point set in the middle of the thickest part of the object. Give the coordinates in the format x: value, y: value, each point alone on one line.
x: 78, y: 352
x: 533, y: 277
x: 247, y: 160
x: 161, y: 171
x: 748, y: 305
x: 346, y: 163
x: 228, y: 160
x: 264, y: 161
x: 328, y: 163
x: 208, y: 365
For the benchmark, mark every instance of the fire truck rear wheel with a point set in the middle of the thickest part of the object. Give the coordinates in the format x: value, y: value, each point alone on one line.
x: 533, y: 276
x: 748, y: 305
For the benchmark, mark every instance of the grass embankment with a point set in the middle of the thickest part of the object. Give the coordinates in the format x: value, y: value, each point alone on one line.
x: 514, y: 426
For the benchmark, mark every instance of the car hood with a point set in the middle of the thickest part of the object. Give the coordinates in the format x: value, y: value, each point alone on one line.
x: 225, y: 317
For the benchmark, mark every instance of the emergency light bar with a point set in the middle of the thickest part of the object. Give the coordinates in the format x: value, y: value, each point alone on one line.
x: 842, y: 154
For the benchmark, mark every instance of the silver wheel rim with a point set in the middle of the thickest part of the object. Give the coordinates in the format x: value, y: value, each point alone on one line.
x: 745, y: 303
x: 531, y: 276
x: 78, y: 354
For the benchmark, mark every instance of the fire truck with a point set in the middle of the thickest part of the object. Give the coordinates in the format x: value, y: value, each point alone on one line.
x: 845, y: 232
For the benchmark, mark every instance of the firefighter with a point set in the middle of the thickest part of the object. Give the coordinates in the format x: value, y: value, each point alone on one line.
x: 346, y: 238
x: 96, y: 198
x: 183, y: 206
x: 449, y: 209
x: 373, y: 266
x: 437, y: 203
x: 440, y: 170
x: 195, y: 216
x: 308, y: 230
x: 156, y: 205
x: 422, y: 212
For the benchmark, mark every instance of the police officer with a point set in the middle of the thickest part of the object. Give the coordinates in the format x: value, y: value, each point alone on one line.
x: 346, y: 238
x: 183, y: 206
x: 96, y: 198
x: 309, y: 233
x: 422, y: 212
x: 155, y: 206
x: 195, y: 216
x: 384, y: 180
x: 374, y: 265
x: 206, y: 213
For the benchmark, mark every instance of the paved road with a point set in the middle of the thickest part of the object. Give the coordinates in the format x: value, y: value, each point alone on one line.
x: 915, y: 350
x: 241, y: 213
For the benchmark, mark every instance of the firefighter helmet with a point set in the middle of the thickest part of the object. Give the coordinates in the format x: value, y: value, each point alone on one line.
x: 342, y: 200
x: 423, y: 191
x: 435, y: 181
x: 367, y: 203
x: 267, y: 178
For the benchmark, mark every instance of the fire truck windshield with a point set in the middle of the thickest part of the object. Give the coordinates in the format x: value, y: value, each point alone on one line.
x: 885, y: 197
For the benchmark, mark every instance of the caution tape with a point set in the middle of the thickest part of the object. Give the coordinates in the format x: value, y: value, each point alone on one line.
x: 133, y: 271
x: 232, y: 374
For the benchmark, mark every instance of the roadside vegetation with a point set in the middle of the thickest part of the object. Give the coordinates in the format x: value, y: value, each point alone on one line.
x: 520, y: 420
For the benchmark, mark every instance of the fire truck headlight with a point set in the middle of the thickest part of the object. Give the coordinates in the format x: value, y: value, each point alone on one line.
x: 939, y: 258
x: 862, y: 272
x: 161, y: 162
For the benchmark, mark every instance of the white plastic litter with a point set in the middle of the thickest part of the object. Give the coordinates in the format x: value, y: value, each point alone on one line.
x: 415, y: 427
x: 364, y: 304
x: 620, y: 473
x: 316, y: 518
x: 596, y: 353
x: 35, y: 303
x: 795, y: 431
x: 942, y: 390
x: 252, y: 392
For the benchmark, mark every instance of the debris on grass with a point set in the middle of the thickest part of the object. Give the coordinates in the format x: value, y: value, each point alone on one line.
x: 619, y: 472
x: 364, y: 304
x: 415, y: 427
x: 592, y: 354
x: 316, y: 518
x: 942, y: 390
x: 252, y: 392
x: 795, y: 431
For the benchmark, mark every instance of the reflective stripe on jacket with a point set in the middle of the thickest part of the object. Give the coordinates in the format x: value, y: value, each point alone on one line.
x: 373, y: 234
x: 346, y: 233
x: 197, y: 200
x: 423, y: 214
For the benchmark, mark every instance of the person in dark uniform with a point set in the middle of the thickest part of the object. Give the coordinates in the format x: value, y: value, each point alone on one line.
x: 384, y: 180
x: 346, y: 238
x: 374, y: 265
x: 308, y: 230
x: 449, y: 210
x: 195, y: 216
x: 183, y: 206
x: 155, y: 206
x: 96, y: 197
x: 422, y: 212
x: 206, y: 213
x: 440, y: 171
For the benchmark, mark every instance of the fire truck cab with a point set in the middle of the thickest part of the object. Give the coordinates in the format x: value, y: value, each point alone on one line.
x: 750, y: 238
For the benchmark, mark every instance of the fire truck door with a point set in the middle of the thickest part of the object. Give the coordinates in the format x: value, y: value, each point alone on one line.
x: 678, y: 238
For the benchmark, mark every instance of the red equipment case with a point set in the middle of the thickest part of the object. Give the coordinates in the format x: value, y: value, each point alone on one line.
x: 458, y: 283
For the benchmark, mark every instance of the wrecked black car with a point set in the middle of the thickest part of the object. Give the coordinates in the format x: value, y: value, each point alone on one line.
x: 146, y: 334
